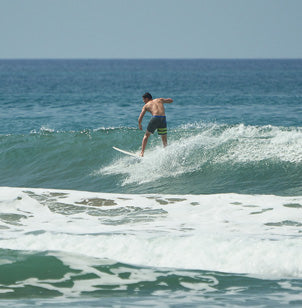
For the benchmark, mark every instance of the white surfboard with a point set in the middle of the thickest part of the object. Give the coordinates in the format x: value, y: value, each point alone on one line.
x: 126, y: 152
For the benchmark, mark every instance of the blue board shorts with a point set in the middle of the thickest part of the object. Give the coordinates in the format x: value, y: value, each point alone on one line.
x: 159, y: 123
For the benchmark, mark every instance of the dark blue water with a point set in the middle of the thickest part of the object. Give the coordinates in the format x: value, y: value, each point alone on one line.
x: 78, y: 94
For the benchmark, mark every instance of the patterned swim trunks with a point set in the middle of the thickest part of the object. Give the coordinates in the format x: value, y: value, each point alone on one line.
x: 159, y: 123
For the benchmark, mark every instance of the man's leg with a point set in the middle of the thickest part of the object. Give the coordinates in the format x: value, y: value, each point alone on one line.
x: 144, y: 143
x: 164, y: 140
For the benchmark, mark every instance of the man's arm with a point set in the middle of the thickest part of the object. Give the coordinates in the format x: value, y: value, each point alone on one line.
x: 140, y: 118
x: 166, y: 100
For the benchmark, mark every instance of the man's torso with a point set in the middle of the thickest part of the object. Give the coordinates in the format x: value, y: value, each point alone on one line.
x: 156, y: 107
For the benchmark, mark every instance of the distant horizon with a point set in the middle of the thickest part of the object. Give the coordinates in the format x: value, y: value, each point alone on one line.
x: 15, y: 59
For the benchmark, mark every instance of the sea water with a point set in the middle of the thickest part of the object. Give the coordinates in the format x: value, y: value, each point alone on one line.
x: 213, y: 220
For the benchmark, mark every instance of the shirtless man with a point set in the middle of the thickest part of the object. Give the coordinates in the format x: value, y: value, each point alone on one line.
x: 158, y: 120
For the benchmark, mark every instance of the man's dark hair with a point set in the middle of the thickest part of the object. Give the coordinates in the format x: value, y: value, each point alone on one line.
x: 147, y: 95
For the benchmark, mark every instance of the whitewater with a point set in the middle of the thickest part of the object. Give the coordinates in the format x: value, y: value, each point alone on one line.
x: 257, y: 235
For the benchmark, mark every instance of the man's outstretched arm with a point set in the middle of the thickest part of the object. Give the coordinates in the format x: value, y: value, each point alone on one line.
x: 166, y: 100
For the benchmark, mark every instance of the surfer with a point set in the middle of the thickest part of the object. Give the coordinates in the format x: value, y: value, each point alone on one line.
x: 158, y: 120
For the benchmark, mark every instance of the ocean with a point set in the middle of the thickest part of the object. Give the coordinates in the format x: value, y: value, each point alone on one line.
x: 212, y: 220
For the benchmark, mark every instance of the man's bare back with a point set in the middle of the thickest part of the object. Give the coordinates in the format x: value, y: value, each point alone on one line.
x: 156, y: 106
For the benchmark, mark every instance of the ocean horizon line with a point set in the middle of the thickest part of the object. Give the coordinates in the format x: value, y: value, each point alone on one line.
x: 151, y: 59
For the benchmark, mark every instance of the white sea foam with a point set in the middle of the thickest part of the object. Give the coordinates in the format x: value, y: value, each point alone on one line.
x: 42, y: 130
x: 264, y: 143
x: 254, y: 234
x: 201, y: 145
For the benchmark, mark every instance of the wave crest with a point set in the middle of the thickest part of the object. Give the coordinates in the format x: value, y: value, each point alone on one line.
x: 194, y: 147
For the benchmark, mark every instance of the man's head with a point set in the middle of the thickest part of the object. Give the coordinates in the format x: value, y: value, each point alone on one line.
x: 147, y: 97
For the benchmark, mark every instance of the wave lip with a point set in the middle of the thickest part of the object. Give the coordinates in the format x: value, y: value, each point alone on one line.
x: 198, y: 147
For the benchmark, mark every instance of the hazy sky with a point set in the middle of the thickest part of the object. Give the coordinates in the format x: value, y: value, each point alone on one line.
x: 150, y: 29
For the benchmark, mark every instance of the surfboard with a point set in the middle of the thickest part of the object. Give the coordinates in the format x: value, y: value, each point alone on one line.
x: 126, y: 152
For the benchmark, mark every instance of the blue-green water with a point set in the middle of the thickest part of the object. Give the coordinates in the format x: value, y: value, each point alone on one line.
x: 213, y: 220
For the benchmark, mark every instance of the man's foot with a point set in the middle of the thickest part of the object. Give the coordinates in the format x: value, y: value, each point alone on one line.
x: 141, y: 154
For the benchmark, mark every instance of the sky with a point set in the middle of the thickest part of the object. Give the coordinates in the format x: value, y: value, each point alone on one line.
x: 102, y: 29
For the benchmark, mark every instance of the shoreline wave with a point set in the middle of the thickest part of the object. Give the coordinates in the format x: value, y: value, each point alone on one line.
x: 254, y: 234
